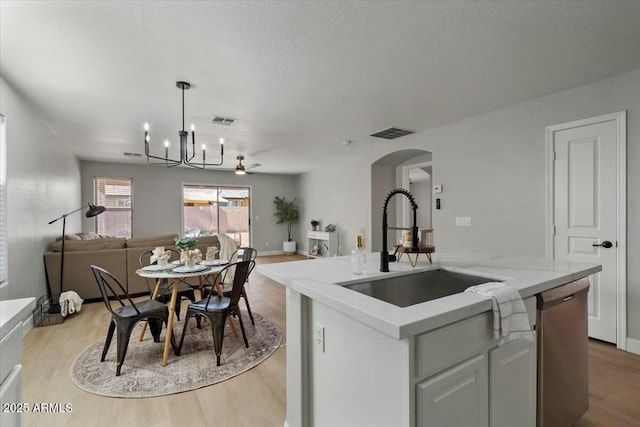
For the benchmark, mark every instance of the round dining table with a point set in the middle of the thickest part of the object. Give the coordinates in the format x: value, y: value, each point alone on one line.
x: 173, y: 274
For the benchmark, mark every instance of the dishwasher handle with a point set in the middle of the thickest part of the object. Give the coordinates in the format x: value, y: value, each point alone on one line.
x: 562, y: 293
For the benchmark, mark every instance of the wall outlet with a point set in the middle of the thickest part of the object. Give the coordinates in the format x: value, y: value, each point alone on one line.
x: 318, y: 337
x: 463, y: 221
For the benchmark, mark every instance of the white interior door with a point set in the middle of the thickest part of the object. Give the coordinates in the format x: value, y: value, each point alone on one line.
x: 586, y: 212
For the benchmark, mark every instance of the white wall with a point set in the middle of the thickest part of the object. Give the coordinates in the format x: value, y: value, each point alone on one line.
x: 43, y: 182
x: 493, y: 169
x: 157, y: 197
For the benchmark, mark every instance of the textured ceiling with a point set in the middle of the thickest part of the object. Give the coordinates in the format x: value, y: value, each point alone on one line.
x: 300, y: 77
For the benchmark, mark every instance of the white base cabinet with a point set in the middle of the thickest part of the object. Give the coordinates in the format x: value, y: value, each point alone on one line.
x: 322, y: 244
x: 456, y: 397
x: 493, y: 386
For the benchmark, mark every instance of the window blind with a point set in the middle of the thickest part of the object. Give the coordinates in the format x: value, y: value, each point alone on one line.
x: 115, y: 194
x: 3, y: 204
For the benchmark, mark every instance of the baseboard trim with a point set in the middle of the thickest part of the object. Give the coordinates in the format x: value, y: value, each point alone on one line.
x: 269, y: 253
x: 633, y: 345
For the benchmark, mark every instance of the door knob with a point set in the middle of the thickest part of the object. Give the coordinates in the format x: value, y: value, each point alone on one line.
x: 606, y: 244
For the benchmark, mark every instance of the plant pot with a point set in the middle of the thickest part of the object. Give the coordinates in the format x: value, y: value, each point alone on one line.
x: 289, y: 248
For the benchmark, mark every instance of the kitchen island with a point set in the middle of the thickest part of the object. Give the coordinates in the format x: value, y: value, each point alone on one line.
x: 353, y: 359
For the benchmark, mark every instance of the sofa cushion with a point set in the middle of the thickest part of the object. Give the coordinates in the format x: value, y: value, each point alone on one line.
x: 90, y: 245
x: 166, y: 240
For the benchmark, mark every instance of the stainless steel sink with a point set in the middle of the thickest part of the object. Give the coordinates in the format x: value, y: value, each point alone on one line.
x: 415, y: 288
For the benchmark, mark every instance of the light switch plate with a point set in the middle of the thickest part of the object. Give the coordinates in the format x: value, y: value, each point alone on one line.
x: 463, y: 221
x: 318, y: 337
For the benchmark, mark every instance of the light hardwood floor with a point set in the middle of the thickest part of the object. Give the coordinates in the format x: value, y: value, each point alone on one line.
x: 255, y: 398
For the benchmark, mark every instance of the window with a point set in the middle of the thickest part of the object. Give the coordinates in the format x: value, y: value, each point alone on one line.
x: 211, y: 209
x: 115, y: 195
x: 3, y: 204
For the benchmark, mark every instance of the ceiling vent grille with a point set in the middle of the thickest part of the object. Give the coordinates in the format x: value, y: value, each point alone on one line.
x: 392, y: 133
x: 132, y: 154
x: 225, y: 121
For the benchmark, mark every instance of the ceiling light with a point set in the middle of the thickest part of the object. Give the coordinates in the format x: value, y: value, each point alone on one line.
x: 185, y: 158
x: 240, y: 170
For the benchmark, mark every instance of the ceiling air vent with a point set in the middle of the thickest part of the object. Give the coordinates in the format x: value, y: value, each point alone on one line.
x: 392, y: 133
x: 225, y: 121
x: 132, y: 154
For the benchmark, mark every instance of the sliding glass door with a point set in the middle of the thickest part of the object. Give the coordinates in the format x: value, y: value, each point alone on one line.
x: 211, y: 209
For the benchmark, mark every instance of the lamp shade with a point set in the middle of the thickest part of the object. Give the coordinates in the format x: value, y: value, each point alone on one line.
x: 94, y: 210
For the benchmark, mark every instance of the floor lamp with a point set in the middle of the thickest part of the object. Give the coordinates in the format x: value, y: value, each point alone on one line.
x: 93, y: 211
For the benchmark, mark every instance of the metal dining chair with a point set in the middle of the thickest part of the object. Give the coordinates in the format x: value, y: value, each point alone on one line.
x: 125, y: 317
x: 245, y: 253
x: 217, y: 308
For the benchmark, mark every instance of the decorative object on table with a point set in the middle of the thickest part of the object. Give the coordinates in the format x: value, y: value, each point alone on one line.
x: 406, y: 239
x: 314, y: 224
x: 190, y: 257
x: 70, y: 302
x: 192, y: 370
x: 185, y: 243
x: 330, y: 228
x: 211, y: 253
x: 358, y: 256
x: 54, y: 306
x: 315, y: 250
x: 185, y: 158
x: 160, y: 256
x: 288, y: 213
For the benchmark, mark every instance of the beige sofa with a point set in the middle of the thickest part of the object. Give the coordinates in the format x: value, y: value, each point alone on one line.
x: 116, y: 255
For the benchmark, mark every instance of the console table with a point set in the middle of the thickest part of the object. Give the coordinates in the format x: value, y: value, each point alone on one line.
x: 327, y: 242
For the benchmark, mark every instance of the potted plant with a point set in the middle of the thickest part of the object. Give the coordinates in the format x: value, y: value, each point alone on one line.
x: 314, y: 224
x: 288, y: 213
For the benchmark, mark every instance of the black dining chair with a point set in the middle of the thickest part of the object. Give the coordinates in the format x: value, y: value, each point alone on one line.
x: 245, y: 254
x: 164, y: 294
x: 217, y: 309
x: 125, y: 316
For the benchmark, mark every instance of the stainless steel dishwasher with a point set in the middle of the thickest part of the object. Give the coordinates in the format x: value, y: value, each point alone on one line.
x: 563, y: 377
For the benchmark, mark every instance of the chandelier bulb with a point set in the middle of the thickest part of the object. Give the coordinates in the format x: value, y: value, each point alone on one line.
x: 204, y: 147
x: 193, y: 127
x: 166, y: 143
x: 146, y: 126
x: 147, y: 138
x: 221, y: 141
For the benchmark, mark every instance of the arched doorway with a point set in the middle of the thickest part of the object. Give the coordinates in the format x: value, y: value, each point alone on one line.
x: 387, y: 173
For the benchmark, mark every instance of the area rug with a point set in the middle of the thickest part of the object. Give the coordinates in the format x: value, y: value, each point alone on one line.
x: 143, y: 376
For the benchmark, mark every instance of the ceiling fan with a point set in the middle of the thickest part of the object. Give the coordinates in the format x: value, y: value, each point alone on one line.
x: 242, y: 169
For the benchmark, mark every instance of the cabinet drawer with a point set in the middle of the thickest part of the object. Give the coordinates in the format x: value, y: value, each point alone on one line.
x: 452, y: 344
x: 11, y: 350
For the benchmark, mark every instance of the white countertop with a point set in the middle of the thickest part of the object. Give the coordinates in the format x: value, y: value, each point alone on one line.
x: 12, y: 312
x: 317, y: 279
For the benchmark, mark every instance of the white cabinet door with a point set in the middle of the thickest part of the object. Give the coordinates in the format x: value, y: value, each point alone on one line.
x: 11, y: 399
x: 512, y: 373
x: 456, y: 397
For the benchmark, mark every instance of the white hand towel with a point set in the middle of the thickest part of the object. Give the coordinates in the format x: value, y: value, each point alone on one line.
x: 510, y: 319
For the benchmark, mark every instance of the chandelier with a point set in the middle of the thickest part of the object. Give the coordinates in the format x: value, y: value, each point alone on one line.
x: 185, y: 158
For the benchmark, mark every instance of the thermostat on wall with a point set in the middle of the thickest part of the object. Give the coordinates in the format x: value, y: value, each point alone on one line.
x: 437, y: 189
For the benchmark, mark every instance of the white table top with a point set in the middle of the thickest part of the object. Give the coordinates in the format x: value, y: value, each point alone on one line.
x: 170, y: 274
x: 320, y: 279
